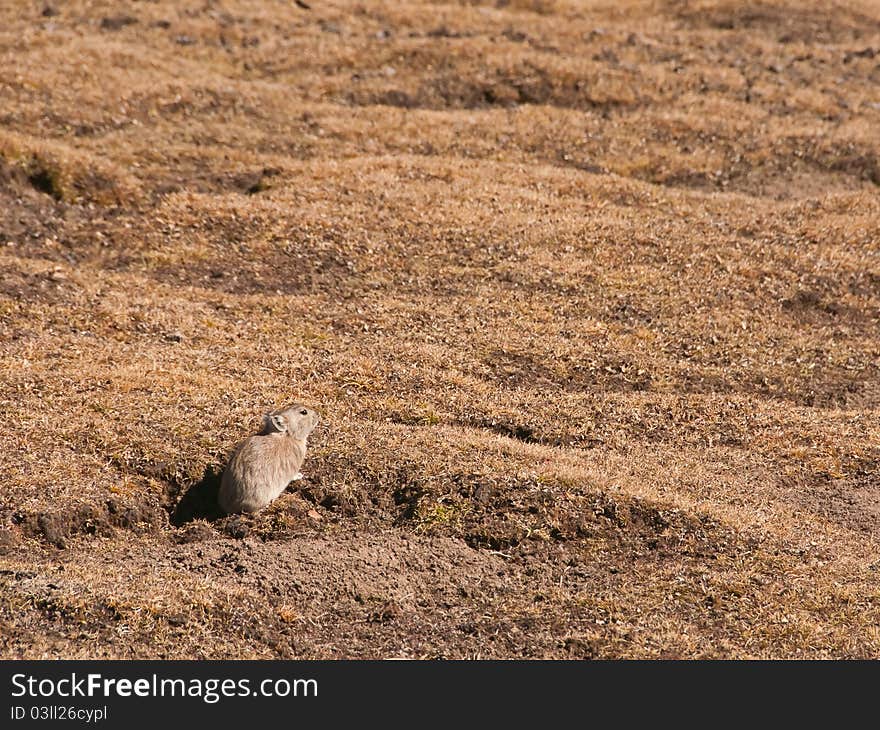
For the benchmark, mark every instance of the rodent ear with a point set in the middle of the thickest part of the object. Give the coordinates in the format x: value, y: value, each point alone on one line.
x: 276, y: 422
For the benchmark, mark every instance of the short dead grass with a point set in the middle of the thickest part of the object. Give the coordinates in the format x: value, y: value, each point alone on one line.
x: 589, y: 299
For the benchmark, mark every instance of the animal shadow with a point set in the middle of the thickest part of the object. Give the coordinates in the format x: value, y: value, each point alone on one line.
x: 200, y: 500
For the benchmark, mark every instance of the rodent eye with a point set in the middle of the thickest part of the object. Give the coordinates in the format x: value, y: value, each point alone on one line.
x: 304, y: 412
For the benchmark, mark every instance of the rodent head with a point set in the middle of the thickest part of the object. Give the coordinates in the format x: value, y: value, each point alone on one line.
x: 296, y: 421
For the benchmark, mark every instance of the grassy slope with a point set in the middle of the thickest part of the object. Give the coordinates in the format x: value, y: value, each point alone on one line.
x: 589, y: 298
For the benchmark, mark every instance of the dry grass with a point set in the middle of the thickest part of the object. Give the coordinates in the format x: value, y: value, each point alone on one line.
x: 588, y: 294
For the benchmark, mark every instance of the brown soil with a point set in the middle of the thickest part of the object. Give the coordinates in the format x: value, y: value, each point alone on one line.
x: 588, y: 295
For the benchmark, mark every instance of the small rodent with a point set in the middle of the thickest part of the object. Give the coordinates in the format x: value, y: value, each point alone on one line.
x: 262, y: 465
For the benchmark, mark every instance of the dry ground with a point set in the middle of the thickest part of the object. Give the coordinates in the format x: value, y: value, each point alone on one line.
x: 587, y: 293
